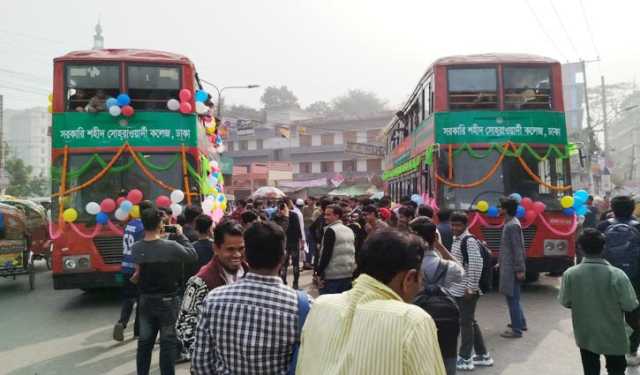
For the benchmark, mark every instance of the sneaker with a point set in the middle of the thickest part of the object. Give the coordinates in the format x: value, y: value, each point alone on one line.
x: 524, y: 329
x: 118, y: 332
x: 633, y: 359
x: 307, y: 266
x: 510, y: 334
x: 464, y: 364
x: 483, y: 360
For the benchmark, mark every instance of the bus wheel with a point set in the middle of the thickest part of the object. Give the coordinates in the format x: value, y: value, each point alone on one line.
x: 531, y: 277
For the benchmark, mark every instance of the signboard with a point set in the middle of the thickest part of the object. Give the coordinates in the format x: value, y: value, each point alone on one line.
x: 150, y: 129
x: 364, y: 149
x: 226, y: 164
x: 533, y: 127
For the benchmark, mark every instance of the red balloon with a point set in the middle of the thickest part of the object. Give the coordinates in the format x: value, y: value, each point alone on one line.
x: 107, y: 205
x: 185, y: 107
x: 530, y: 216
x: 135, y: 196
x: 120, y: 200
x: 185, y: 95
x: 526, y: 202
x: 539, y: 207
x: 128, y: 111
x: 163, y: 201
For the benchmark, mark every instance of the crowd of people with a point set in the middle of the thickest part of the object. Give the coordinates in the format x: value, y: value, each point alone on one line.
x: 399, y: 287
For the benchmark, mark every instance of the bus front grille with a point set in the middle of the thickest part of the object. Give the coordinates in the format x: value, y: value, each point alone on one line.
x: 110, y: 248
x: 492, y: 237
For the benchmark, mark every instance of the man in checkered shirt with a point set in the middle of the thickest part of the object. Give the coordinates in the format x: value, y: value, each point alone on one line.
x: 250, y: 327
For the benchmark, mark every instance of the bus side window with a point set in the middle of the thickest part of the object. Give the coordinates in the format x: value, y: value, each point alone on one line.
x: 89, y: 86
x: 150, y: 87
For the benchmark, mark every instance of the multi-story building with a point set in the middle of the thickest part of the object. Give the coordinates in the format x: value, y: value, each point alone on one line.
x: 26, y: 134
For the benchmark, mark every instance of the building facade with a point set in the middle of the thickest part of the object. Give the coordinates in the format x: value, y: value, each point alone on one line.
x: 26, y: 135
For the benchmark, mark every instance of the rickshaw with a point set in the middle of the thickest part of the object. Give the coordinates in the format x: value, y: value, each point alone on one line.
x: 15, y: 256
x: 37, y: 225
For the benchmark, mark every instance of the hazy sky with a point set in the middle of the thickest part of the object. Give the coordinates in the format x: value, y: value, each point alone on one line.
x: 320, y: 48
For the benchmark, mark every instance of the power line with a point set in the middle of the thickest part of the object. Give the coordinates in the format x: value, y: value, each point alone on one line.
x: 24, y: 90
x: 564, y: 28
x: 586, y: 21
x: 544, y: 30
x: 32, y: 36
x: 27, y: 75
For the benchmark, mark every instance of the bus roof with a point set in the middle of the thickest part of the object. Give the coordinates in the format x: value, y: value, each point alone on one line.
x: 132, y: 55
x: 494, y: 58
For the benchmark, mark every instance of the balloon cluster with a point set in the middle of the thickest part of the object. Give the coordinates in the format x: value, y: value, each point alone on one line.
x: 576, y: 204
x: 527, y: 208
x: 120, y: 106
x: 172, y: 202
x: 184, y: 105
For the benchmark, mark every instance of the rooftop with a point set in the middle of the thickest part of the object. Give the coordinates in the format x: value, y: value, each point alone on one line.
x: 133, y: 55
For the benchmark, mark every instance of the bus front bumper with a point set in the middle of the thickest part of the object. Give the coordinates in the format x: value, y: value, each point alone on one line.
x: 88, y: 280
x: 549, y: 264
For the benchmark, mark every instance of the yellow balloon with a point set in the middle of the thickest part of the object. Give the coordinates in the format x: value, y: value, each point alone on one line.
x: 566, y: 201
x: 50, y: 97
x: 135, y: 212
x: 50, y: 108
x: 483, y: 206
x: 211, y: 130
x: 70, y: 215
x: 223, y: 205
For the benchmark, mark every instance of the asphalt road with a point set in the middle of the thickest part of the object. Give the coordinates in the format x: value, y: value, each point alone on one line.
x: 69, y: 332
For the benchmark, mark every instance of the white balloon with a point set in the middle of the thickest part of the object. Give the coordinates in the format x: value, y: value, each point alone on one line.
x: 177, y: 196
x: 92, y: 208
x: 176, y: 210
x: 115, y: 110
x: 201, y: 108
x: 213, y: 164
x: 207, y: 205
x: 173, y: 104
x: 220, y: 149
x: 121, y: 215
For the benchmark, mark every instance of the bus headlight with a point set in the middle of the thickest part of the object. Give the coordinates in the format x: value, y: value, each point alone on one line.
x: 549, y: 246
x: 76, y: 262
x: 562, y: 245
x: 70, y: 264
x: 556, y: 247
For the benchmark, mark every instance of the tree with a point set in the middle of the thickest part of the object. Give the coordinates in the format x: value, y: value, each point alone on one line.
x: 275, y: 98
x: 21, y: 181
x: 244, y: 112
x: 320, y: 108
x: 358, y: 102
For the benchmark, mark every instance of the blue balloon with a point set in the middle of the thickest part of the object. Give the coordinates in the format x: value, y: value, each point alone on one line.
x: 520, y: 212
x: 102, y: 218
x: 582, y: 210
x: 201, y: 96
x: 570, y: 211
x: 516, y: 196
x: 126, y: 206
x: 417, y: 199
x: 123, y: 99
x: 221, y: 198
x: 493, y: 211
x: 581, y: 195
x: 111, y: 102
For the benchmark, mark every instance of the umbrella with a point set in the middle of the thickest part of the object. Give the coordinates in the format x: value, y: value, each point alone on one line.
x: 268, y: 192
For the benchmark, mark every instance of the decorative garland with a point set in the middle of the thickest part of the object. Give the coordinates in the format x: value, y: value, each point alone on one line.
x: 478, y: 182
x: 477, y: 218
x: 402, y: 168
x: 570, y: 149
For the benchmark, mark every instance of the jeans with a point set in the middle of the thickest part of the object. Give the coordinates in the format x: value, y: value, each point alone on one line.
x: 450, y: 365
x: 470, y: 333
x: 518, y: 321
x: 129, y: 299
x: 293, y: 253
x: 158, y: 313
x: 308, y: 258
x: 336, y: 286
x: 616, y: 364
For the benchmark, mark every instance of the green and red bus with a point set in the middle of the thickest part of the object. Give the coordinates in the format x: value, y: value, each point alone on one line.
x: 97, y: 152
x: 480, y: 127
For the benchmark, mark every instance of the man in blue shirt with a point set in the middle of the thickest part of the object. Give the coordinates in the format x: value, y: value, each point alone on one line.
x: 133, y: 233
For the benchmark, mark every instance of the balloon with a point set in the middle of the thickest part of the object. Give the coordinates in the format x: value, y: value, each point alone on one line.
x: 582, y: 210
x: 539, y: 207
x: 128, y: 110
x: 581, y: 195
x: 516, y: 196
x: 92, y: 208
x: 530, y: 216
x: 526, y: 202
x: 102, y: 218
x: 566, y: 201
x: 50, y: 108
x: 121, y: 215
x: 185, y: 95
x: 176, y: 210
x: 70, y: 215
x: 493, y: 211
x: 213, y: 164
x: 217, y: 215
x: 207, y: 206
x: 123, y: 99
x: 135, y: 212
x: 108, y: 205
x: 482, y: 206
x: 135, y: 196
x: 201, y: 108
x: 570, y: 211
x: 221, y: 198
x: 126, y: 206
x: 163, y: 201
x: 50, y: 98
x: 111, y: 102
x: 173, y: 105
x: 177, y: 196
x: 115, y: 111
x: 521, y: 212
x: 185, y: 107
x: 201, y: 96
x: 120, y: 200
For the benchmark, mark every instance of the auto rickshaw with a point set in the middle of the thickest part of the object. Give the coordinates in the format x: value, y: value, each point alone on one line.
x: 37, y: 226
x: 15, y: 256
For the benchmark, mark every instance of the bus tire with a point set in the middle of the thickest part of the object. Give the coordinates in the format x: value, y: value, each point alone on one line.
x: 531, y: 277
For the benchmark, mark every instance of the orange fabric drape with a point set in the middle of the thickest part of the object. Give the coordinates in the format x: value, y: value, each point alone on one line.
x: 185, y: 174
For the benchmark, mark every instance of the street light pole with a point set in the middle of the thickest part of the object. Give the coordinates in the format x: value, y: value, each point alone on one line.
x: 220, y: 91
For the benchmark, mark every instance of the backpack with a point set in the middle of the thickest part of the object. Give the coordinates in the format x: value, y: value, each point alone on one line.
x: 444, y: 312
x: 486, y: 277
x: 622, y: 247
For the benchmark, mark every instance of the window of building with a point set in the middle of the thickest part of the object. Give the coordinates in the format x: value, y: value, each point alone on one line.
x: 305, y: 140
x: 151, y: 86
x: 350, y: 136
x: 372, y: 135
x: 305, y: 167
x: 327, y: 139
x: 374, y: 165
x: 527, y: 88
x: 243, y: 145
x: 259, y: 144
x: 349, y: 165
x: 473, y: 88
x: 89, y: 86
x: 229, y: 146
x: 326, y: 166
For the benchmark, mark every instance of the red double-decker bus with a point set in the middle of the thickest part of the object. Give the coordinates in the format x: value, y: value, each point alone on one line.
x: 480, y: 127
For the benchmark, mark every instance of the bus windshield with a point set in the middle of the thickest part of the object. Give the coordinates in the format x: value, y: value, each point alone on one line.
x: 473, y: 88
x: 151, y: 86
x: 87, y: 86
x: 527, y: 88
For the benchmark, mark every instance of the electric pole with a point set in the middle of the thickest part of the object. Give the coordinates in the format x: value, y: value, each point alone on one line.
x: 605, y: 123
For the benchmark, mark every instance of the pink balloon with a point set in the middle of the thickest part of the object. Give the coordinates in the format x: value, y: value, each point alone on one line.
x: 120, y: 200
x: 135, y: 196
x: 526, y: 202
x: 185, y: 95
x: 530, y: 216
x: 163, y: 201
x: 217, y: 215
x: 539, y: 207
x: 107, y: 205
x: 185, y: 107
x: 128, y: 111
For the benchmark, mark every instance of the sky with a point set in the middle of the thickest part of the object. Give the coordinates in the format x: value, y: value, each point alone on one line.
x: 319, y: 49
